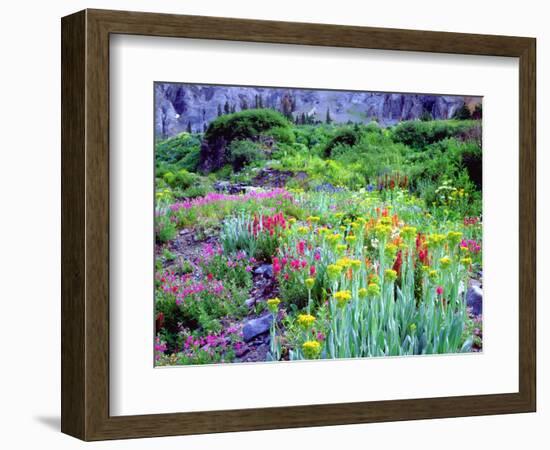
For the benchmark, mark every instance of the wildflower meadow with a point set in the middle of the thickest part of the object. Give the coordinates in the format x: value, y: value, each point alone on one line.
x: 282, y: 235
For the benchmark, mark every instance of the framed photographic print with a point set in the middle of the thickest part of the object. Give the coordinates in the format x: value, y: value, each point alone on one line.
x: 284, y: 225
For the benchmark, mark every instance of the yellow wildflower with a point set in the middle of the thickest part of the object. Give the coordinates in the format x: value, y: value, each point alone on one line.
x: 390, y: 250
x: 434, y: 275
x: 445, y: 262
x: 351, y: 238
x: 435, y: 240
x: 273, y: 304
x: 408, y: 233
x: 373, y: 290
x: 341, y: 248
x: 333, y: 271
x: 466, y: 261
x: 382, y: 231
x: 305, y: 320
x: 311, y: 349
x: 390, y: 275
x: 454, y: 237
x: 309, y: 283
x: 343, y: 262
x: 342, y: 297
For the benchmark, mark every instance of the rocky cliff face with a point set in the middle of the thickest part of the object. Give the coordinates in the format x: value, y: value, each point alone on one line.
x: 183, y: 106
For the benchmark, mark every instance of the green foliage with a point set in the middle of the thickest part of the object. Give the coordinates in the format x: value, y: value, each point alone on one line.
x: 230, y: 269
x: 181, y: 179
x: 199, y: 190
x: 426, y: 116
x: 374, y: 155
x: 165, y: 229
x: 345, y: 136
x: 241, y: 153
x: 244, y: 125
x: 181, y: 151
x: 419, y: 134
x: 283, y: 135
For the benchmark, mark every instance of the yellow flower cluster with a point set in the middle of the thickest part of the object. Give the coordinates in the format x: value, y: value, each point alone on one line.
x: 435, y: 240
x: 273, y: 304
x: 466, y: 261
x: 382, y: 231
x: 313, y: 219
x: 342, y: 297
x: 334, y: 270
x: 373, y: 290
x: 390, y: 275
x: 350, y: 239
x: 454, y: 237
x: 303, y: 230
x: 363, y: 292
x: 311, y: 349
x: 390, y: 251
x: 333, y: 239
x: 408, y: 233
x: 305, y: 320
x: 341, y: 248
x: 445, y: 262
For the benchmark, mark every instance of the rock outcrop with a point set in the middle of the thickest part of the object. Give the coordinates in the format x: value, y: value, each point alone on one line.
x: 180, y: 107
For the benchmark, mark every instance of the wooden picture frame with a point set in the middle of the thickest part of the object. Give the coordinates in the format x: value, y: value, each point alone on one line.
x: 85, y: 224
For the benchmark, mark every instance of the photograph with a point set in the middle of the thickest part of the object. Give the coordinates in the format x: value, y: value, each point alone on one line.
x: 306, y: 224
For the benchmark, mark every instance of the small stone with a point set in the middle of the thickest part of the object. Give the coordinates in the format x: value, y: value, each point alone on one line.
x: 266, y: 270
x: 474, y: 299
x: 255, y: 327
x: 241, y: 351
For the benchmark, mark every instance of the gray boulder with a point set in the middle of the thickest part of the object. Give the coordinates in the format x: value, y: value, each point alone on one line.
x: 255, y: 327
x: 266, y: 270
x: 474, y: 299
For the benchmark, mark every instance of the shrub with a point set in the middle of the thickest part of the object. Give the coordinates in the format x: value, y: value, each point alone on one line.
x: 245, y: 125
x: 283, y: 135
x: 419, y: 134
x: 241, y: 153
x: 347, y: 137
x: 165, y: 229
x: 181, y: 179
x: 181, y: 151
x: 196, y: 191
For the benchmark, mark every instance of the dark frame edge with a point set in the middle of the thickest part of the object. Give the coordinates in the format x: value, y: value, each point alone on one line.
x: 73, y: 226
x: 528, y: 224
x: 85, y: 73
